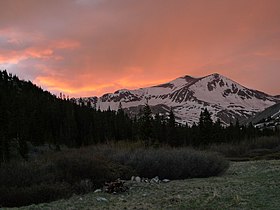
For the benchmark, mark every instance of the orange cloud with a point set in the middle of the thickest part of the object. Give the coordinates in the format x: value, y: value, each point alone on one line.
x: 108, y: 45
x: 42, y: 50
x: 65, y: 44
x: 39, y: 53
x: 12, y: 56
x: 57, y: 84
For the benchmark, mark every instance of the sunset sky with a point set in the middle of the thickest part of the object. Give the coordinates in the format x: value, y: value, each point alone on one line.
x: 91, y: 47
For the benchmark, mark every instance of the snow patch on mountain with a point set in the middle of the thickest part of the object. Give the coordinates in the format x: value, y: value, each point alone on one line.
x: 187, y: 96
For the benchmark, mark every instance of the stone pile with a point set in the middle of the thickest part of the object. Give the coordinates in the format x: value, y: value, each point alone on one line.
x: 154, y: 180
x: 115, y: 187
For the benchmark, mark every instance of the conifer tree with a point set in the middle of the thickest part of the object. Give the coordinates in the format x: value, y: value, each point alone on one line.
x: 171, y: 126
x: 188, y: 141
x: 237, y: 132
x: 205, y: 128
x: 159, y: 129
x: 218, y: 133
x: 146, y: 125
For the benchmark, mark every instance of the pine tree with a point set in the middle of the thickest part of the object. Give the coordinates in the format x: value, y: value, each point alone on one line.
x: 159, y: 129
x: 146, y: 125
x: 205, y: 128
x: 218, y: 131
x: 171, y: 129
x: 194, y: 135
x: 237, y: 132
x: 188, y: 141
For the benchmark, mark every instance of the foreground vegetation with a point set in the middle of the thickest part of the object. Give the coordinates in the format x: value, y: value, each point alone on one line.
x: 262, y: 148
x: 77, y: 171
x: 60, y: 174
x: 246, y: 185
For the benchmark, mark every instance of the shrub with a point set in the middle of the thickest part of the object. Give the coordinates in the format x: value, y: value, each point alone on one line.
x: 249, y: 148
x: 21, y: 196
x: 21, y: 174
x: 72, y: 169
x: 59, y: 175
x: 171, y: 163
x: 56, y: 176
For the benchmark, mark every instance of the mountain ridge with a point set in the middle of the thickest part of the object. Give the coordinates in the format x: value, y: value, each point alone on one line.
x: 270, y: 117
x: 187, y: 95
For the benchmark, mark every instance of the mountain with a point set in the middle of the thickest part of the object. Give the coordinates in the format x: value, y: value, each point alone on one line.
x: 269, y: 118
x: 187, y: 96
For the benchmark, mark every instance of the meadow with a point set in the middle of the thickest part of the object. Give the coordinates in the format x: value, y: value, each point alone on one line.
x: 246, y: 185
x: 201, y: 178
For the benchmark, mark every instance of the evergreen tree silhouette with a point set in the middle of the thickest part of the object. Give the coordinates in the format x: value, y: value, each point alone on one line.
x: 205, y: 128
x: 146, y: 125
x: 171, y: 129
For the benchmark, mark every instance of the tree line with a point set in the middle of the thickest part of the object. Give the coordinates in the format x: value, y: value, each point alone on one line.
x: 30, y: 114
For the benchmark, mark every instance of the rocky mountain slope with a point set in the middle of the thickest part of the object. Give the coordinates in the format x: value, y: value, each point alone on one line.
x: 269, y: 118
x: 187, y: 96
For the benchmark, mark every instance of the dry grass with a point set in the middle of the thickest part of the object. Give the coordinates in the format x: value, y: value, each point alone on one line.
x: 58, y: 175
x: 266, y: 148
x: 246, y: 185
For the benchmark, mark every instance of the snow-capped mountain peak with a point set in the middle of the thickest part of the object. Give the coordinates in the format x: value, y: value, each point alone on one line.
x: 187, y: 96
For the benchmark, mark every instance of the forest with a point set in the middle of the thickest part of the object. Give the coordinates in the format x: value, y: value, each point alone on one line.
x: 29, y: 114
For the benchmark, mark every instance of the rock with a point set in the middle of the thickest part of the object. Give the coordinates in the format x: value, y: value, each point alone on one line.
x: 137, y: 179
x: 155, y: 180
x: 115, y: 187
x: 101, y: 199
x: 146, y: 180
x: 166, y: 180
x: 98, y: 191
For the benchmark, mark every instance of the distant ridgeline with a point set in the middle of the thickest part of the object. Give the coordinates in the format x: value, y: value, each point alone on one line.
x: 267, y: 119
x: 30, y: 115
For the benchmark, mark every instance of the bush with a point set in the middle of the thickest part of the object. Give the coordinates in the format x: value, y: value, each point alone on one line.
x: 56, y: 176
x: 21, y: 196
x: 171, y: 163
x: 249, y: 148
x: 72, y: 169
x: 59, y: 175
x: 21, y: 174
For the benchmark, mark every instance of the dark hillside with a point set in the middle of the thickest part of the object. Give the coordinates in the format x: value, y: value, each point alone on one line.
x: 30, y: 114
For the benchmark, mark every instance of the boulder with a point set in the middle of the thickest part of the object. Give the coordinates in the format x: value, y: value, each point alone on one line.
x: 137, y: 179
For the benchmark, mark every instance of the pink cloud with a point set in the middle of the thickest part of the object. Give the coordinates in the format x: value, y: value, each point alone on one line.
x: 92, y: 47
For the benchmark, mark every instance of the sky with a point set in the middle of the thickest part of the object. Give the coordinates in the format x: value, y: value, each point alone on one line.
x: 91, y: 47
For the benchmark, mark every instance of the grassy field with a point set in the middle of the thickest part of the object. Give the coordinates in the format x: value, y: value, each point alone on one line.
x: 246, y: 185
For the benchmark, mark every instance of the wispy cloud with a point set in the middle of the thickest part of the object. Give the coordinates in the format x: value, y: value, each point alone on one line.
x: 85, y: 48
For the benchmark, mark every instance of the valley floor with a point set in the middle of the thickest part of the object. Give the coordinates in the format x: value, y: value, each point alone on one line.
x: 246, y: 185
